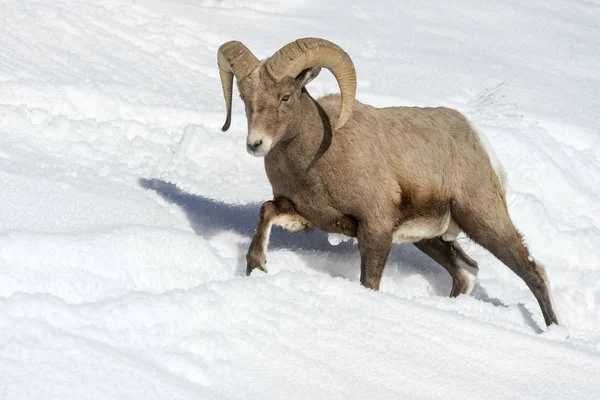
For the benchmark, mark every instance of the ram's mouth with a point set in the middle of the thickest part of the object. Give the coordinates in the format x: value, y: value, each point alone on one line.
x: 259, y: 154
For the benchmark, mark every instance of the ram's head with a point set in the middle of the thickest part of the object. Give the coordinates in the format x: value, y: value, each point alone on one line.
x: 271, y: 89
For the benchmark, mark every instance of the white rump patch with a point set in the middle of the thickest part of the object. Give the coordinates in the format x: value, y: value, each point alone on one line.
x: 496, y: 165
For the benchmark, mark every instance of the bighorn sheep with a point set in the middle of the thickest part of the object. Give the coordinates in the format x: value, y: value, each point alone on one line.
x: 383, y: 175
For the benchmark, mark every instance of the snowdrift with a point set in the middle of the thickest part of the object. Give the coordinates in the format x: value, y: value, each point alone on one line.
x: 126, y: 214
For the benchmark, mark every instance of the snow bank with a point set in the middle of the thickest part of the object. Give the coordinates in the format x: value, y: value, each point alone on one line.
x: 126, y: 214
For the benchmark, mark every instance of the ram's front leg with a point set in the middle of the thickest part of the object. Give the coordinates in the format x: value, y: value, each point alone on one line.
x: 280, y: 212
x: 375, y: 244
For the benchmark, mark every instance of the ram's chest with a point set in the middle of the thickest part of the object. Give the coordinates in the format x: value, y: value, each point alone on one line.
x: 313, y: 203
x: 322, y: 213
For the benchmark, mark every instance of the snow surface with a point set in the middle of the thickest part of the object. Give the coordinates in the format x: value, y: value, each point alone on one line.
x: 126, y: 214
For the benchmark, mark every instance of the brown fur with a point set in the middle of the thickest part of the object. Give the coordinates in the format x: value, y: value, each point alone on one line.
x: 384, y: 167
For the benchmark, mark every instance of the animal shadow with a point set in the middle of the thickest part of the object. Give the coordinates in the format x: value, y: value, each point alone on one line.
x: 209, y: 217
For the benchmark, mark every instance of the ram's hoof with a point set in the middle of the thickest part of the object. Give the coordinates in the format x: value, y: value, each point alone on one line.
x: 251, y: 268
x: 255, y: 261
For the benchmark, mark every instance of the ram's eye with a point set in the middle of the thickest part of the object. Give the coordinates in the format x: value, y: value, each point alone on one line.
x: 285, y: 97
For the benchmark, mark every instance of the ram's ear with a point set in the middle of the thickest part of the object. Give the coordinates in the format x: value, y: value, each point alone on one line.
x: 306, y: 76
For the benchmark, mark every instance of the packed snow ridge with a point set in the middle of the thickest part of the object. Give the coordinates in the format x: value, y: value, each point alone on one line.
x: 126, y: 213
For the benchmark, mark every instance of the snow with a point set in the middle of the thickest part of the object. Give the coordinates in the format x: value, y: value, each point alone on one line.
x: 126, y: 213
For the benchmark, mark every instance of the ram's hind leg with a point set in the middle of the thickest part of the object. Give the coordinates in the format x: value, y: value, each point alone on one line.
x: 280, y: 212
x: 462, y: 268
x: 488, y: 223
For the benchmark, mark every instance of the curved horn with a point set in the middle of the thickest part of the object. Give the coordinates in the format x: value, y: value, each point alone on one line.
x: 296, y: 56
x: 233, y: 58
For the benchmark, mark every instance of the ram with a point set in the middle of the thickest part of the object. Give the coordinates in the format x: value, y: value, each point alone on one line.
x: 381, y: 175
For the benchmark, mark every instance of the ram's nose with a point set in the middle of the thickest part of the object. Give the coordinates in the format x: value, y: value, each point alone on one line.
x: 254, y: 146
x: 258, y: 144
